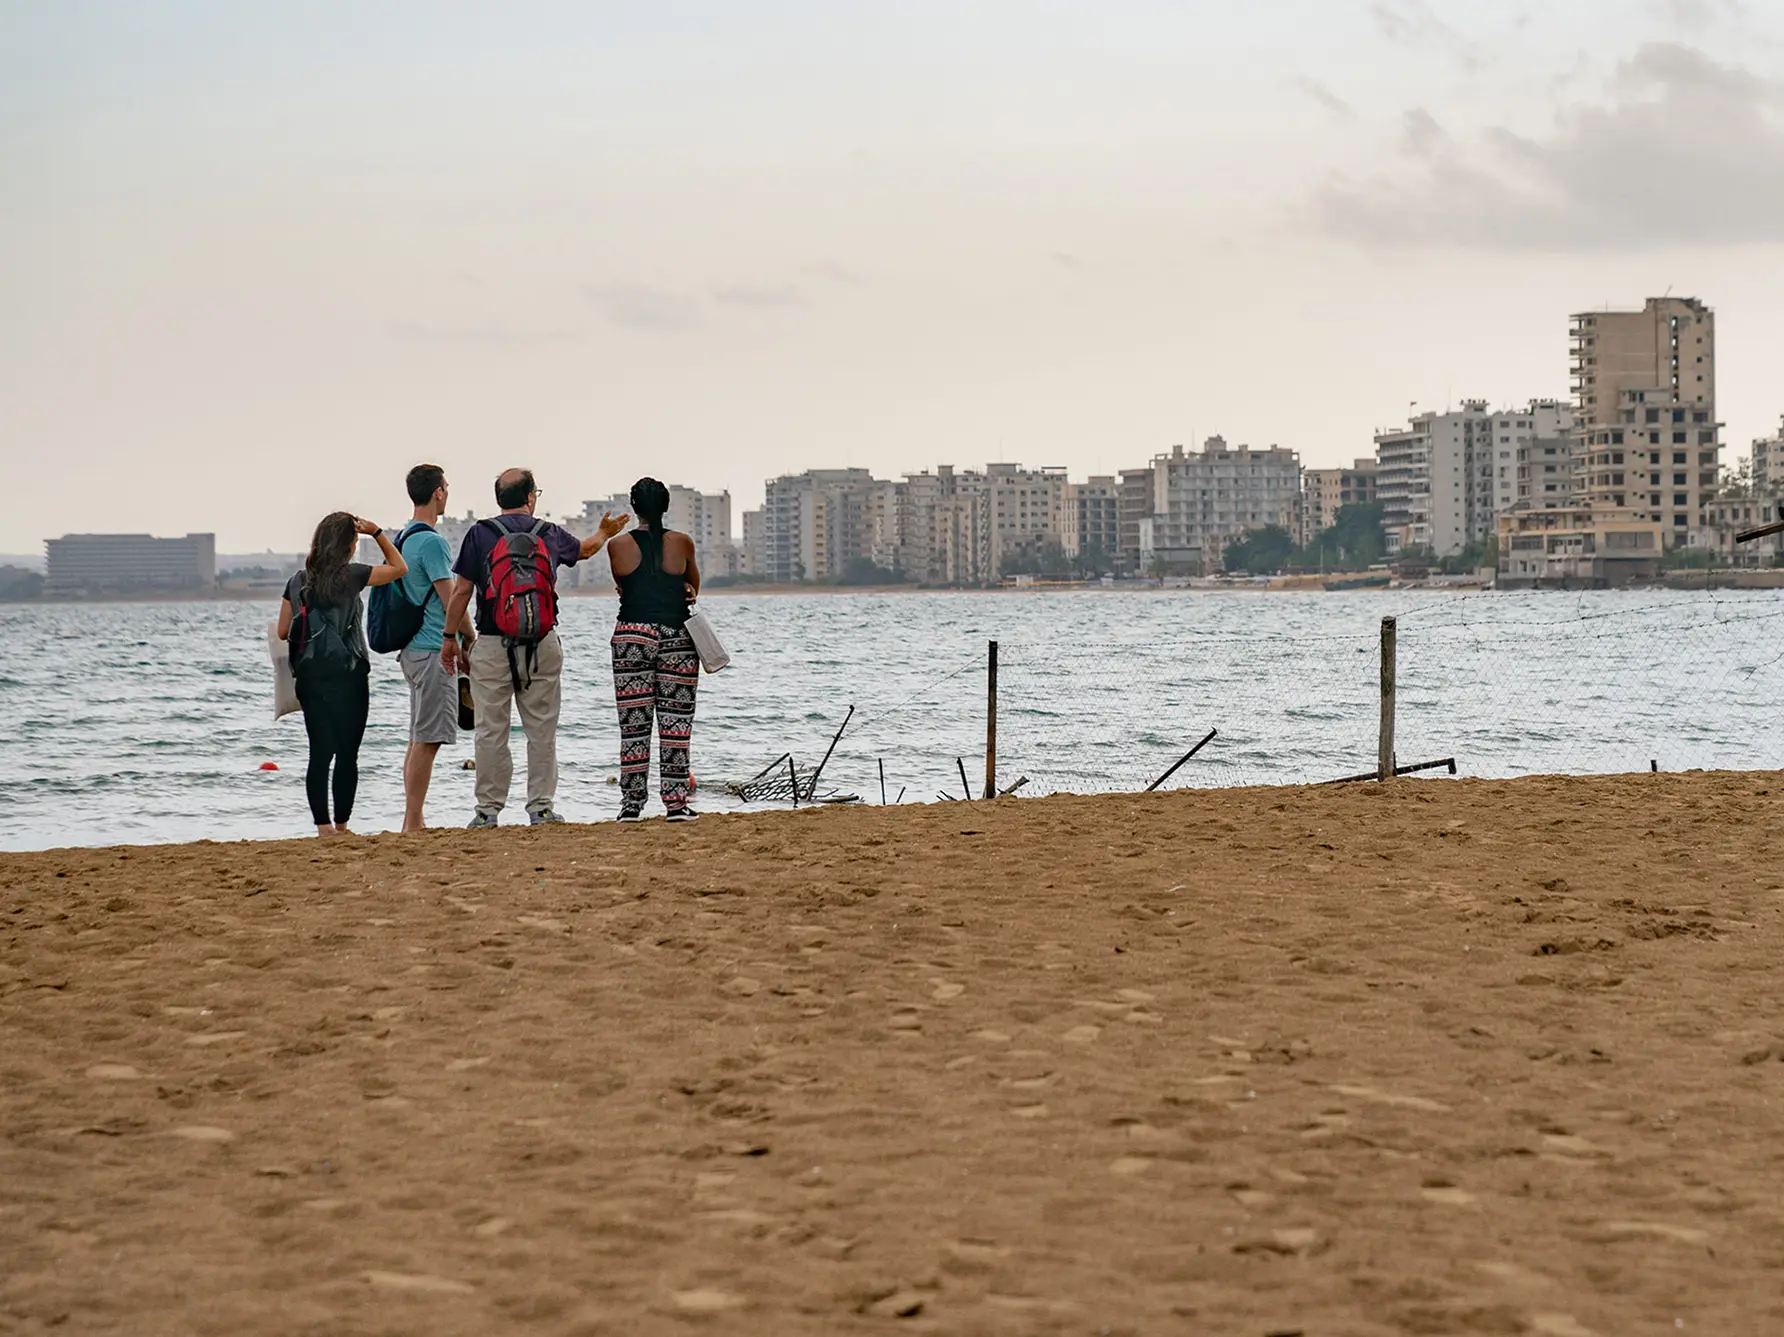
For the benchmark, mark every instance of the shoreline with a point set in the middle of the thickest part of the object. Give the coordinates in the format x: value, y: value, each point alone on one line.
x: 1684, y: 583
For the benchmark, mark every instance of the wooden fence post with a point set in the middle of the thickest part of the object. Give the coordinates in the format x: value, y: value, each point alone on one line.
x: 1384, y: 769
x: 991, y: 723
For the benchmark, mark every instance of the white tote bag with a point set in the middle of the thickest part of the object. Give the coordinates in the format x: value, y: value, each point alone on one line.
x: 713, y: 655
x: 284, y: 684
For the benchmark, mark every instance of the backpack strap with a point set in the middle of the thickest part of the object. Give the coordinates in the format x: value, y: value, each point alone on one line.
x: 538, y: 530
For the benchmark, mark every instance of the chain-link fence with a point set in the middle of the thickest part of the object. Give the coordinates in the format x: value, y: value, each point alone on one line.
x: 1502, y: 687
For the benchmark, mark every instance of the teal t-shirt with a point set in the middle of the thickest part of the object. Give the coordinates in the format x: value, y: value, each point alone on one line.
x: 429, y: 560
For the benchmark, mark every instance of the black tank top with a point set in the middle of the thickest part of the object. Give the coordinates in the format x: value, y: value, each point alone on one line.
x: 651, y: 594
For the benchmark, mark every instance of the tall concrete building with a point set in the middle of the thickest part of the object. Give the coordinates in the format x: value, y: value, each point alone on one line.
x: 1025, y: 511
x: 1647, y: 439
x: 1090, y: 519
x: 1444, y: 480
x: 1133, y: 505
x: 814, y: 522
x: 1533, y: 457
x: 95, y: 564
x: 1324, y: 491
x: 1768, y: 464
x: 1204, y: 500
x: 754, y: 561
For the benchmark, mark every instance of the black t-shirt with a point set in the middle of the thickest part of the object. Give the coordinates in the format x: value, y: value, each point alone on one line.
x: 346, y: 616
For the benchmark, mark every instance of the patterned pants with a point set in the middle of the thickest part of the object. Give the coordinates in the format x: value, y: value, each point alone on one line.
x: 655, y: 668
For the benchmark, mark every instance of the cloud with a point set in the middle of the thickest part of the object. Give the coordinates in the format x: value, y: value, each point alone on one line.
x: 762, y: 296
x: 1680, y: 150
x: 488, y: 334
x: 1413, y: 23
x: 638, y: 306
x: 1694, y: 16
x: 1337, y: 106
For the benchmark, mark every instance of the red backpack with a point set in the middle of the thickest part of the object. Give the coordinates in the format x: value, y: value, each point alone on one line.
x: 518, y: 589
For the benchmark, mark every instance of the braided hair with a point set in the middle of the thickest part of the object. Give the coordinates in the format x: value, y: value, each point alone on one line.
x: 650, y: 499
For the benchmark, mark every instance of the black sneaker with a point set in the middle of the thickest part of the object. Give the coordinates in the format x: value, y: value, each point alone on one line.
x: 683, y: 815
x: 631, y: 815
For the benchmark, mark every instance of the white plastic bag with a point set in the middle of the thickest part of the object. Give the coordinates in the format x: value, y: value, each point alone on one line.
x: 713, y: 655
x: 284, y: 684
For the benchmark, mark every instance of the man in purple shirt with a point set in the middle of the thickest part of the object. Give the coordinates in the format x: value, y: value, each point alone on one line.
x: 494, y: 690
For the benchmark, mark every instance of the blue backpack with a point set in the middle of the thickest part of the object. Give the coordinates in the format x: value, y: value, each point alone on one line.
x: 391, y: 620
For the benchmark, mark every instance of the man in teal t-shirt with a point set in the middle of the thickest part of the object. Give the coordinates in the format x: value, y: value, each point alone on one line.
x: 433, y: 695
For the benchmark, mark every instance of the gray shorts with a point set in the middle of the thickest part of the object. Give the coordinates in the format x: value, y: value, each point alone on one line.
x: 433, y: 697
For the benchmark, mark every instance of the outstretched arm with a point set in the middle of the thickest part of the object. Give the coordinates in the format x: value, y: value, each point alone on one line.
x: 610, y: 525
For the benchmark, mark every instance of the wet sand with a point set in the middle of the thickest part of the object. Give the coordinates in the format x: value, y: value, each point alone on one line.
x: 1444, y: 1057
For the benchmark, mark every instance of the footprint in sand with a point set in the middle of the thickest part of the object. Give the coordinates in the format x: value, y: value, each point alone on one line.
x: 992, y: 1037
x: 1029, y: 1112
x: 945, y: 991
x: 1380, y: 1097
x: 214, y: 1038
x: 1655, y: 1230
x: 1133, y: 995
x: 1128, y: 1166
x: 113, y: 1072
x: 1447, y: 1195
x: 1082, y: 1035
x: 198, y: 1132
x: 705, y: 1301
x: 1569, y: 1146
x: 418, y: 1282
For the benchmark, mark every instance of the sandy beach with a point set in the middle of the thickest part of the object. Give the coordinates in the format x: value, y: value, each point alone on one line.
x: 1438, y: 1057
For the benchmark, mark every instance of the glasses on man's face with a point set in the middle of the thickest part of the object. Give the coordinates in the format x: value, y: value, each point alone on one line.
x: 536, y: 493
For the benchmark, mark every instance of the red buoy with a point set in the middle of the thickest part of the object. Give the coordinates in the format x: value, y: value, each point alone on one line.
x: 269, y: 766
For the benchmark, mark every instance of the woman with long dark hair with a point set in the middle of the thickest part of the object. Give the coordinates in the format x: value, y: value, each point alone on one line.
x: 321, y: 620
x: 655, y: 667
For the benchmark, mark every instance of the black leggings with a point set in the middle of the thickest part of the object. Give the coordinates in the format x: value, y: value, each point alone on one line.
x: 335, y: 706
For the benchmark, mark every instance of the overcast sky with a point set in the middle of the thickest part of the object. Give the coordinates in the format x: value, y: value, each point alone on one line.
x: 258, y: 258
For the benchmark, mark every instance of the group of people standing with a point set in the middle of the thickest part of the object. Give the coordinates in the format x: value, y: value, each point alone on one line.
x: 509, y: 652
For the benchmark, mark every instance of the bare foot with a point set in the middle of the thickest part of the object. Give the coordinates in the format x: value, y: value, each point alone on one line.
x: 325, y: 831
x: 340, y: 829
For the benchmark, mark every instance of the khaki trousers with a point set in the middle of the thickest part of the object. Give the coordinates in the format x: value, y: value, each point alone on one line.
x: 492, y: 689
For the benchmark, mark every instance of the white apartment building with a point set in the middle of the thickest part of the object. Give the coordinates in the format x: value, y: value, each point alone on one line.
x: 1768, y: 464
x: 1444, y: 480
x: 1204, y: 500
x: 1533, y: 457
x: 753, y: 560
x: 1090, y: 519
x: 1026, y: 508
x: 1645, y: 393
x: 813, y: 523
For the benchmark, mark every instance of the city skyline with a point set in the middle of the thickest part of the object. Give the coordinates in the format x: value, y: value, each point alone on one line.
x: 280, y: 245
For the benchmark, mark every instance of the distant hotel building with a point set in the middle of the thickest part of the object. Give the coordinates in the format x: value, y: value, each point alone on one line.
x: 1444, y: 480
x: 1202, y: 501
x: 1645, y: 391
x: 1768, y: 464
x: 1091, y: 520
x: 1324, y: 491
x: 97, y: 564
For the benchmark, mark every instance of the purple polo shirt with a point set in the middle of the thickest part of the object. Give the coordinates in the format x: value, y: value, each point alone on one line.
x: 473, y: 557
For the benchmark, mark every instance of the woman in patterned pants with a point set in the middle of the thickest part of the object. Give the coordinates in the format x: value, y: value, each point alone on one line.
x: 655, y: 668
